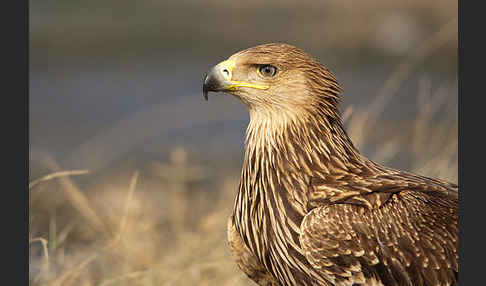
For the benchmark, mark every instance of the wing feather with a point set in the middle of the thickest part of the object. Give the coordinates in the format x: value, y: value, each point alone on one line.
x: 411, y: 239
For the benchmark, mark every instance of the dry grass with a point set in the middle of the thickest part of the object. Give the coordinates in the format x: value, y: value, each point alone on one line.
x: 162, y: 225
x: 136, y: 237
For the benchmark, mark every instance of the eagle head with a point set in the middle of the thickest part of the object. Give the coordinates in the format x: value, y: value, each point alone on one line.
x: 273, y: 78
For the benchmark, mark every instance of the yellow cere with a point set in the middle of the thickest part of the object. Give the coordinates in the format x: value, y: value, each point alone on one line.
x: 228, y: 64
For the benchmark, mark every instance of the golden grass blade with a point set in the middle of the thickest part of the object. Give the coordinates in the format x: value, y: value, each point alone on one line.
x: 131, y: 191
x: 77, y: 198
x: 131, y: 275
x: 63, y: 234
x: 44, y: 249
x: 69, y: 276
x: 54, y: 175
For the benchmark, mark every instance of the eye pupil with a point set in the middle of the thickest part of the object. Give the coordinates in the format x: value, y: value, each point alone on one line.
x: 268, y: 70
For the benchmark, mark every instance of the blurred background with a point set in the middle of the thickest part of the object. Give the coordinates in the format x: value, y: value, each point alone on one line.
x: 133, y: 174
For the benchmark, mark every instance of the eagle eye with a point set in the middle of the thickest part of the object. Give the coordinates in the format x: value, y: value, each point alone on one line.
x: 268, y: 70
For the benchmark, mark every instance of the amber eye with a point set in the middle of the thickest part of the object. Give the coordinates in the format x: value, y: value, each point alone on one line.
x: 268, y: 70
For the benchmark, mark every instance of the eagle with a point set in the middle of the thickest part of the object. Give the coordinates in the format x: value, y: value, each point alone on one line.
x: 310, y: 209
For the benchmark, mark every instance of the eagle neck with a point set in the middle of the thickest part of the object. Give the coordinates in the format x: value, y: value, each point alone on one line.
x: 283, y: 152
x: 297, y: 142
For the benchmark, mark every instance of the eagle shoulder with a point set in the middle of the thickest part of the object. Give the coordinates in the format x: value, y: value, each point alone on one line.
x: 411, y: 239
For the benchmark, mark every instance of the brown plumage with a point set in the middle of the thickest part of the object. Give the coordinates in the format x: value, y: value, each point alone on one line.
x: 310, y: 209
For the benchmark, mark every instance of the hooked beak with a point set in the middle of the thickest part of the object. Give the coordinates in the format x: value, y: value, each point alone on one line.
x: 220, y: 79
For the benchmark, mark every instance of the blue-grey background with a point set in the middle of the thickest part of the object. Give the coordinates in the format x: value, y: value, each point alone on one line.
x: 118, y: 83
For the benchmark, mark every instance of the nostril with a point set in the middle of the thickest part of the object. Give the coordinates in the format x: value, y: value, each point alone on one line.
x: 227, y: 72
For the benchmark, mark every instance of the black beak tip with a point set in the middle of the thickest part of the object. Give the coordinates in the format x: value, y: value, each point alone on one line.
x: 205, y: 87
